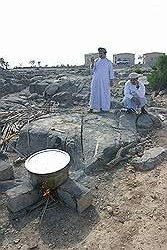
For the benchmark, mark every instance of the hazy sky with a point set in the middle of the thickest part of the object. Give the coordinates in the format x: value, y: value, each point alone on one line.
x: 62, y: 31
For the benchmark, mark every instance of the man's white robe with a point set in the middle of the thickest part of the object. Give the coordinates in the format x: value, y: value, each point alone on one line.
x: 131, y: 91
x: 100, y: 85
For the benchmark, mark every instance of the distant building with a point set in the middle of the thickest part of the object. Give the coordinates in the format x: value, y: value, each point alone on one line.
x: 124, y: 58
x: 89, y: 56
x: 150, y: 58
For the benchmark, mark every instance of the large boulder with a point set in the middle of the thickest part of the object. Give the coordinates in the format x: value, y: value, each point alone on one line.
x: 38, y: 87
x: 91, y: 146
x: 51, y: 90
x: 147, y: 122
x: 64, y: 98
x: 33, y: 139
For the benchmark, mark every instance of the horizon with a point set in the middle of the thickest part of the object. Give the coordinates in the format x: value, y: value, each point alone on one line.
x: 62, y: 32
x: 27, y: 63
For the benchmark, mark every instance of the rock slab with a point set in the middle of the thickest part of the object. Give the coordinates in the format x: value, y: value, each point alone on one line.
x: 150, y: 159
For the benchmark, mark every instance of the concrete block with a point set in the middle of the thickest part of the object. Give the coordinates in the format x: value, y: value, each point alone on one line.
x: 8, y: 184
x: 75, y: 195
x: 6, y: 171
x: 22, y: 196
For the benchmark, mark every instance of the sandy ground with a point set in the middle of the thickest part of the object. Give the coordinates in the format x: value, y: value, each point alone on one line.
x: 128, y: 212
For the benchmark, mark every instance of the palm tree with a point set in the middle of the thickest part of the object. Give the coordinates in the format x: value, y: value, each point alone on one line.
x: 2, y: 62
x: 6, y: 65
x: 32, y: 62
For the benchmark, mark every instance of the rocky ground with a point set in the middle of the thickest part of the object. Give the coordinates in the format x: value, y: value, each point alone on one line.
x: 128, y: 210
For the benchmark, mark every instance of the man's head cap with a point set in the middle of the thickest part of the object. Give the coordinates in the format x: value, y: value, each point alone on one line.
x: 133, y: 75
x: 102, y: 50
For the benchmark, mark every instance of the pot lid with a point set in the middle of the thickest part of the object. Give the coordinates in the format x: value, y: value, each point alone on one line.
x: 47, y: 161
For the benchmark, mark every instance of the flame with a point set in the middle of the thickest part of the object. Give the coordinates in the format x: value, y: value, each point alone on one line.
x: 46, y: 192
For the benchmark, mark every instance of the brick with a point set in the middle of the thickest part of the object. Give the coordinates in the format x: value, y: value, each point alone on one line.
x: 8, y: 184
x: 22, y: 196
x: 75, y: 195
x: 6, y: 171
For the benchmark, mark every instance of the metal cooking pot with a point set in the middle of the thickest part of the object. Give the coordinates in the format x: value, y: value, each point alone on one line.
x: 48, y: 167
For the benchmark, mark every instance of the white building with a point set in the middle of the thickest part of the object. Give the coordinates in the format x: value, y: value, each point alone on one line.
x: 124, y: 58
x: 150, y: 58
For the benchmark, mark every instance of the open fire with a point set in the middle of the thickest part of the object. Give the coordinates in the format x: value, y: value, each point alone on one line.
x: 46, y: 191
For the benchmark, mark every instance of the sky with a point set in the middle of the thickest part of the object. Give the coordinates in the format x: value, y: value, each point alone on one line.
x: 59, y: 32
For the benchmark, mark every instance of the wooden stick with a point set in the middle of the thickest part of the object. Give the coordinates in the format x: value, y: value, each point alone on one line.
x: 44, y: 210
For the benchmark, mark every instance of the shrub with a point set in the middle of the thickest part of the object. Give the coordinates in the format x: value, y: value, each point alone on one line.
x: 158, y: 77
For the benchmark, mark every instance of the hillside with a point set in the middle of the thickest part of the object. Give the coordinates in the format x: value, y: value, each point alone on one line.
x: 129, y: 206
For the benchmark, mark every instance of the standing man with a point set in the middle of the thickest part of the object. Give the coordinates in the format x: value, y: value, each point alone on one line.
x: 101, y: 83
x: 134, y: 94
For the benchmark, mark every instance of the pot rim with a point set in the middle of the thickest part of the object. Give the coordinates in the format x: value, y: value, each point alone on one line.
x: 44, y: 162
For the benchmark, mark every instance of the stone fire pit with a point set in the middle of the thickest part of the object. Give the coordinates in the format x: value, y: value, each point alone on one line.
x: 48, y: 174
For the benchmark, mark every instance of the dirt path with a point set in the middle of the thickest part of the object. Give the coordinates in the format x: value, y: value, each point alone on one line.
x: 128, y: 212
